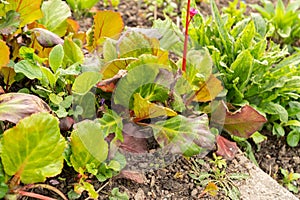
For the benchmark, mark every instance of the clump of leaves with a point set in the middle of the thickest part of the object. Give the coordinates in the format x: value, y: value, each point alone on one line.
x: 289, y: 180
x: 284, y: 19
x: 216, y: 179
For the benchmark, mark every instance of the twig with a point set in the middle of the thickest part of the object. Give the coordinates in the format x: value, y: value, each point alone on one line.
x: 99, y: 190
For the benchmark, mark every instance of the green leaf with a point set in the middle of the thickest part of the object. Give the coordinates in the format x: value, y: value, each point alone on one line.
x: 81, y: 4
x: 10, y: 23
x: 180, y: 134
x: 258, y: 138
x: 244, y: 41
x: 50, y: 77
x: 88, y: 145
x: 278, y: 130
x: 16, y: 106
x: 242, y: 68
x: 199, y: 66
x: 224, y: 35
x: 55, y: 14
x: 56, y: 57
x: 85, y: 82
x: 55, y: 99
x: 172, y: 38
x: 3, y: 186
x: 111, y: 122
x: 114, y: 66
x: 275, y: 109
x: 84, y: 106
x: 293, y: 138
x: 30, y: 70
x: 117, y: 195
x: 135, y: 78
x: 110, y: 50
x: 73, y: 53
x: 134, y: 44
x: 260, y: 24
x: 33, y: 149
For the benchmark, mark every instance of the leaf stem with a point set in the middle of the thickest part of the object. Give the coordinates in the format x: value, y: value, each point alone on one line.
x: 34, y: 195
x: 186, y: 35
x: 49, y: 187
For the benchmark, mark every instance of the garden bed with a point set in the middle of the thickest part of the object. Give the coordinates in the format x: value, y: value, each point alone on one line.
x: 174, y: 176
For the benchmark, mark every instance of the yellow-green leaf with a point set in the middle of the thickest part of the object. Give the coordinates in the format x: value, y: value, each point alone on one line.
x: 4, y: 52
x: 209, y: 90
x: 106, y: 24
x: 144, y: 109
x: 29, y: 10
x: 33, y: 149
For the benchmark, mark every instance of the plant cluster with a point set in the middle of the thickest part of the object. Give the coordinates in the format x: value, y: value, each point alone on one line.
x: 88, y: 99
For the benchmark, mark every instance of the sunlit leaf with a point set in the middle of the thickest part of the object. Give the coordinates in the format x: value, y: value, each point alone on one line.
x: 144, y: 109
x: 113, y: 67
x: 33, y: 149
x: 84, y: 106
x: 30, y: 70
x: 56, y: 57
x: 16, y: 106
x: 189, y: 136
x: 85, y: 82
x: 10, y: 23
x: 111, y: 122
x: 134, y: 44
x: 88, y: 145
x: 29, y: 10
x: 226, y: 148
x: 243, y: 122
x: 212, y: 189
x: 106, y: 24
x: 208, y: 90
x: 55, y: 14
x: 8, y: 74
x: 73, y: 53
x: 135, y: 79
x: 81, y: 4
x: 3, y: 186
x: 293, y: 138
x: 4, y: 52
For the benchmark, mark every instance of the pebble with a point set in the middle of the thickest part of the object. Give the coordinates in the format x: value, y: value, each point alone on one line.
x: 140, y: 195
x: 194, y: 193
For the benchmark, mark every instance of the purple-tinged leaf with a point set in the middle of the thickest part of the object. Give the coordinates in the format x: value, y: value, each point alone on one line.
x: 242, y: 123
x: 226, y: 148
x: 47, y: 38
x: 16, y: 106
x: 137, y: 177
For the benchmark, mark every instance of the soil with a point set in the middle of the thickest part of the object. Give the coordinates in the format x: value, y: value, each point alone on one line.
x: 173, y: 181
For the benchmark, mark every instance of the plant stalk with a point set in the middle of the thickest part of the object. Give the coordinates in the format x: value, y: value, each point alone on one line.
x: 186, y: 35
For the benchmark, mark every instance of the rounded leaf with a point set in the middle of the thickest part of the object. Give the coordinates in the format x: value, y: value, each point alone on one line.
x: 33, y: 149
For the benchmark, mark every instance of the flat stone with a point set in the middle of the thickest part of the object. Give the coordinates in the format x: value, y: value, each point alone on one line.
x: 260, y: 186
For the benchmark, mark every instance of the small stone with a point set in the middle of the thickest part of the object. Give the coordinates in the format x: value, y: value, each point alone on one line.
x: 152, y: 183
x: 194, y: 193
x: 140, y: 195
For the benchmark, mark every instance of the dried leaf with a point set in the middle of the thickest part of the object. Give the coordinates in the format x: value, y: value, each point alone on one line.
x: 226, y: 148
x: 212, y: 189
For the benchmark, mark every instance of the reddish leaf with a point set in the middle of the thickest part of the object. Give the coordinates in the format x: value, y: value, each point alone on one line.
x: 66, y: 123
x: 47, y: 38
x: 133, y: 175
x: 243, y: 122
x: 226, y: 148
x: 131, y: 144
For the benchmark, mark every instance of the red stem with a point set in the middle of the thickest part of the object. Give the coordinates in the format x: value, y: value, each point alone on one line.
x: 186, y: 35
x: 34, y: 195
